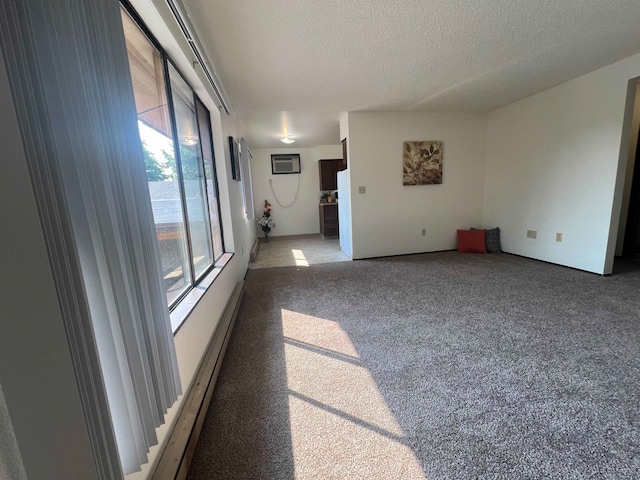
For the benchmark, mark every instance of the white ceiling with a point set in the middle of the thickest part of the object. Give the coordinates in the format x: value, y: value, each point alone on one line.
x: 292, y: 66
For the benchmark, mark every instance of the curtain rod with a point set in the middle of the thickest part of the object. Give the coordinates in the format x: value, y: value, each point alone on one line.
x: 200, y: 59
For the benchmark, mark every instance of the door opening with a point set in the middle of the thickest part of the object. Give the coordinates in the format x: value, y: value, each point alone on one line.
x: 631, y: 245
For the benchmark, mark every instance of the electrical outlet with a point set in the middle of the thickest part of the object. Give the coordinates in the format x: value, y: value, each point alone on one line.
x: 532, y: 233
x: 362, y: 189
x: 424, y: 232
x: 558, y: 237
x: 273, y: 224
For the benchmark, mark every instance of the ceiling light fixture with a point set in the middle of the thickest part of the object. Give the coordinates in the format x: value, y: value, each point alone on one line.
x: 287, y: 140
x: 189, y: 141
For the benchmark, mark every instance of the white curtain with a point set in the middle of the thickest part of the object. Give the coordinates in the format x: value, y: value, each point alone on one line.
x: 68, y: 70
x: 247, y: 184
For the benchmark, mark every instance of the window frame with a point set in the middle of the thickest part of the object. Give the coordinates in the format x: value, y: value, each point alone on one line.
x: 214, y: 171
x: 222, y: 259
x: 194, y: 280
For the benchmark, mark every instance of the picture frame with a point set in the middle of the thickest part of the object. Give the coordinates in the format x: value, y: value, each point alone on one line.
x: 344, y: 153
x: 234, y: 153
x: 422, y: 162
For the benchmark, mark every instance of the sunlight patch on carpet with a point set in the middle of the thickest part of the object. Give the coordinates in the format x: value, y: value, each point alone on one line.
x: 339, y: 419
x: 317, y: 332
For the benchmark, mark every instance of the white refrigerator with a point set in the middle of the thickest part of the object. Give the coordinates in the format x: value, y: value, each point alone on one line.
x: 344, y: 212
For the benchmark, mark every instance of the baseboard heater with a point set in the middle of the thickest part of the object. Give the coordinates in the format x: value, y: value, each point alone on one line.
x: 175, y: 460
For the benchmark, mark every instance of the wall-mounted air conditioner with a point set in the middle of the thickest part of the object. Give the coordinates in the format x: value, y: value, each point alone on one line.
x: 285, y: 163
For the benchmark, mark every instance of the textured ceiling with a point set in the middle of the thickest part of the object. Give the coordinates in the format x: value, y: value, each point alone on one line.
x: 294, y: 65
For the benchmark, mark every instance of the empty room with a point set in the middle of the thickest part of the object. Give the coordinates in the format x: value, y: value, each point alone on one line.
x: 313, y: 240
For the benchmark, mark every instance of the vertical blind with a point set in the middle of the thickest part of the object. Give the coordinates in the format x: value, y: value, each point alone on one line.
x: 247, y: 184
x: 68, y: 70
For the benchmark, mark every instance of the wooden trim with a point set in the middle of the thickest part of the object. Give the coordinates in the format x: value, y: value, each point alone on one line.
x: 176, y: 458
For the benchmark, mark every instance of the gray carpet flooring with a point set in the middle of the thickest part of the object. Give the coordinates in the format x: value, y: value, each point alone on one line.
x: 435, y: 366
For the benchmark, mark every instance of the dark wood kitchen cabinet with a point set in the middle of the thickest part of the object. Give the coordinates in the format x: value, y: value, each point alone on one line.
x: 329, y: 219
x: 329, y: 173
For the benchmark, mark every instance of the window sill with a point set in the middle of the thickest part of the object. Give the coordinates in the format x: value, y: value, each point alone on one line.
x: 182, y: 311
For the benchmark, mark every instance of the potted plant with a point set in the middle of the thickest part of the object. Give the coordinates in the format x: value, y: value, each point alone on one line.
x: 265, y: 221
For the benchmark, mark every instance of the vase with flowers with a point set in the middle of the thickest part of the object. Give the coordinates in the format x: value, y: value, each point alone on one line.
x: 265, y: 221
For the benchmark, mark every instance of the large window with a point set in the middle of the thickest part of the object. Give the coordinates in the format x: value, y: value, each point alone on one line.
x: 178, y: 152
x: 210, y: 176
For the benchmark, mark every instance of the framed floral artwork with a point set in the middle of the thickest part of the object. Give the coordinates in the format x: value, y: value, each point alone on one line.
x: 422, y: 163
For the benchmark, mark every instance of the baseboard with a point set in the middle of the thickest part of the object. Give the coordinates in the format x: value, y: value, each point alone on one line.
x: 404, y: 254
x: 254, y: 250
x: 176, y: 458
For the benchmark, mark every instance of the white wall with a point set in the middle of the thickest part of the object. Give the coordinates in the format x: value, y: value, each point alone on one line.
x: 239, y: 231
x: 631, y: 158
x: 553, y: 166
x: 388, y: 219
x: 303, y: 216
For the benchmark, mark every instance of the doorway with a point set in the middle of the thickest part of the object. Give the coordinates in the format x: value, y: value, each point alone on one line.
x: 631, y: 245
x: 628, y: 242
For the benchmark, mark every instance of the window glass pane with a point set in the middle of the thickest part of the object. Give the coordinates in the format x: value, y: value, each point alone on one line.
x: 154, y: 125
x: 192, y: 172
x: 204, y: 122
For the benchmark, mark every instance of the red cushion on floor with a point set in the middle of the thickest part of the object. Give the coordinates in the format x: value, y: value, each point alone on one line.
x: 472, y: 241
